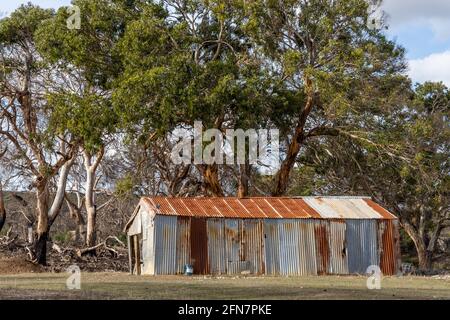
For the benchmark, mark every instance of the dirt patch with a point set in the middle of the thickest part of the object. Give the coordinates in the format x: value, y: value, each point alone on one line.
x: 18, y: 265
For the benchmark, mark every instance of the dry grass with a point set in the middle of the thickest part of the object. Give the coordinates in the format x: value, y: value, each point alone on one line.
x: 124, y: 286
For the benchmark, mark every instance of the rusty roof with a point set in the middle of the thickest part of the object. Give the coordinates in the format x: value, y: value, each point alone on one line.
x: 269, y: 207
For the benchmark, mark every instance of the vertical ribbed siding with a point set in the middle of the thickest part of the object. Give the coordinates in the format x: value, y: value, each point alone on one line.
x: 183, y: 243
x: 362, y: 245
x: 232, y: 245
x: 338, y: 251
x: 216, y: 246
x: 289, y: 247
x: 165, y: 244
x: 272, y: 246
x: 254, y: 245
x: 199, y: 245
x: 307, y: 249
x: 387, y: 246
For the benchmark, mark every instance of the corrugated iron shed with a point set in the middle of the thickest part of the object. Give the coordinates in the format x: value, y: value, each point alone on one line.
x: 273, y: 236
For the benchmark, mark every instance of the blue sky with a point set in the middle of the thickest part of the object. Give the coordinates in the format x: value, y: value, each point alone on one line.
x: 421, y: 26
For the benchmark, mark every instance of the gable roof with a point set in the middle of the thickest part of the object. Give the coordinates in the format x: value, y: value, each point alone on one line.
x: 269, y: 207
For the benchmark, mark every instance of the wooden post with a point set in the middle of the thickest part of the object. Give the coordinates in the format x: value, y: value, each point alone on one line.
x: 130, y: 254
x: 137, y: 252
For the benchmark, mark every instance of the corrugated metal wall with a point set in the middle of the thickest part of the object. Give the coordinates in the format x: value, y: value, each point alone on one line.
x: 272, y: 246
x: 307, y: 249
x: 233, y: 245
x: 199, y: 245
x: 362, y: 245
x: 268, y: 246
x: 165, y: 244
x: 289, y: 247
x: 253, y: 234
x: 216, y: 246
x: 183, y: 243
x: 388, y: 243
x: 338, y: 263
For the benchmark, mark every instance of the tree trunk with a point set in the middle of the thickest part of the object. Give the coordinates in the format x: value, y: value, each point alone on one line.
x: 91, y: 236
x: 40, y: 244
x: 75, y: 213
x: 243, y: 180
x: 424, y: 255
x: 211, y: 178
x: 2, y: 209
x: 91, y: 210
x: 282, y: 177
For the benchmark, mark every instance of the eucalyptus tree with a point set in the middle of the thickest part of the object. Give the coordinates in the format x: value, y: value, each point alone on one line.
x: 333, y: 65
x: 188, y: 61
x: 25, y: 116
x: 405, y: 166
x: 91, y: 62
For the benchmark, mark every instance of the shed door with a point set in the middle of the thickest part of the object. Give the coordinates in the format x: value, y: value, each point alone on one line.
x: 199, y: 246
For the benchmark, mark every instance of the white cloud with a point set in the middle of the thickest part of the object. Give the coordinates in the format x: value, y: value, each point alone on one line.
x: 434, y: 13
x: 435, y: 67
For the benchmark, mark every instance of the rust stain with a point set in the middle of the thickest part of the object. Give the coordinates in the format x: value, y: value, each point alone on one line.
x: 387, y: 247
x: 323, y: 257
x: 379, y: 209
x: 199, y: 246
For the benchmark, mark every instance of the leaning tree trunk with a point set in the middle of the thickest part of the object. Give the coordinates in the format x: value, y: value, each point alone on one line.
x: 424, y: 255
x: 40, y: 242
x: 2, y: 209
x: 282, y: 177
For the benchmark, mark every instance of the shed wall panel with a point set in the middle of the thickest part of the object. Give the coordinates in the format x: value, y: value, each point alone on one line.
x: 165, y: 244
x: 216, y: 246
x: 272, y: 246
x: 183, y: 243
x: 362, y: 245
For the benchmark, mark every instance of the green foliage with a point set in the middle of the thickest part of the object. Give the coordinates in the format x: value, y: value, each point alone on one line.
x: 62, y: 237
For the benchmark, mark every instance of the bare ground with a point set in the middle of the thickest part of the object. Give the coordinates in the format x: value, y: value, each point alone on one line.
x: 124, y: 286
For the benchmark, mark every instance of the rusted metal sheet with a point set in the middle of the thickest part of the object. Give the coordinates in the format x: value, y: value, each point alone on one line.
x: 322, y: 235
x: 338, y: 263
x: 165, y: 244
x: 307, y: 248
x: 183, y: 243
x: 380, y: 210
x: 234, y: 254
x: 199, y: 245
x: 216, y: 246
x: 272, y: 246
x: 289, y: 247
x: 362, y: 245
x: 388, y: 247
x: 253, y: 234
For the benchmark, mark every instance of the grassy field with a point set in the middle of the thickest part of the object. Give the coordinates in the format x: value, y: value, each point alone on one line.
x: 124, y: 286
